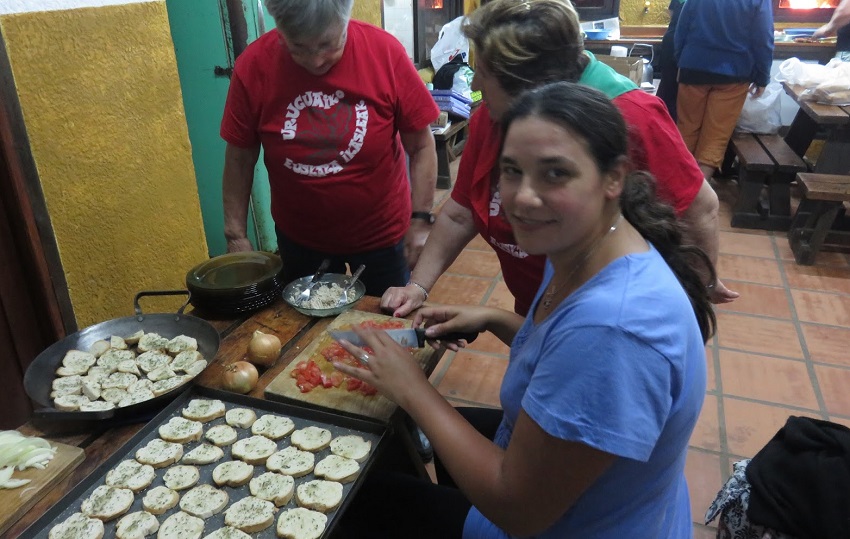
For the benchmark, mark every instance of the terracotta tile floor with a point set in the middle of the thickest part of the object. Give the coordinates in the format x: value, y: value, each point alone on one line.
x: 782, y: 349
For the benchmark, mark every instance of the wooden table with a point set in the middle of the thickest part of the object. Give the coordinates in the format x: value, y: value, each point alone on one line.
x: 813, y: 118
x: 294, y: 329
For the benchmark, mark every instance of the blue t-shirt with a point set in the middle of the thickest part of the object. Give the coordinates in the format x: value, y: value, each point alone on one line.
x: 619, y: 366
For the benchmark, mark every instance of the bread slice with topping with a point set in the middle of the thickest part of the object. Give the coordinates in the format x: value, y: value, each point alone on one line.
x: 69, y: 403
x: 250, y: 514
x: 233, y: 473
x: 159, y: 453
x: 91, y: 388
x: 96, y: 406
x: 204, y: 501
x: 241, y: 418
x: 181, y: 525
x: 131, y: 474
x: 161, y: 373
x: 152, y: 342
x: 164, y: 386
x: 160, y: 499
x: 336, y: 468
x: 351, y: 446
x: 227, y: 533
x: 133, y: 339
x: 77, y: 362
x: 203, y: 410
x: 136, y: 525
x: 271, y: 426
x: 273, y: 487
x: 107, y: 503
x: 129, y: 365
x: 222, y: 435
x: 120, y: 380
x: 311, y: 438
x: 112, y: 358
x: 319, y: 495
x: 300, y: 523
x: 203, y: 454
x: 181, y: 477
x: 181, y: 343
x: 291, y: 461
x: 254, y: 449
x: 77, y: 526
x: 181, y: 430
x: 153, y: 360
x: 196, y: 368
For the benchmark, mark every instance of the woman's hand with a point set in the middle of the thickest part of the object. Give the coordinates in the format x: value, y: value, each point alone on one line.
x: 389, y: 367
x: 402, y: 300
x: 451, y: 318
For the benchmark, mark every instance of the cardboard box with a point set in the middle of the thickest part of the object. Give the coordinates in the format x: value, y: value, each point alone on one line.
x: 628, y: 67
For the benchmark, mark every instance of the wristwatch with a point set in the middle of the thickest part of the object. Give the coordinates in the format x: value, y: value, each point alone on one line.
x: 426, y: 216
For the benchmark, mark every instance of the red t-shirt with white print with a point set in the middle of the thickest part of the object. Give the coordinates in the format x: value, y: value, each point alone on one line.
x: 331, y: 143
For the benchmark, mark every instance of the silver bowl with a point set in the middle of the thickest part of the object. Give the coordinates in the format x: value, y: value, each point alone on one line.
x: 293, y: 289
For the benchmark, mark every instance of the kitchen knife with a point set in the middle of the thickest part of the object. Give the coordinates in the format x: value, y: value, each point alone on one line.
x: 408, y: 337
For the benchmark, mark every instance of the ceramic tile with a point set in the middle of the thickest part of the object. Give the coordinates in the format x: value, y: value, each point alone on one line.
x: 758, y: 299
x: 442, y: 366
x: 476, y: 263
x: 824, y: 258
x: 489, y: 343
x: 761, y: 335
x: 821, y: 278
x: 501, y: 297
x: 705, y: 477
x: 834, y: 382
x: 474, y: 377
x: 748, y: 268
x: 704, y: 532
x: 821, y: 308
x: 478, y: 243
x: 459, y: 290
x: 711, y: 376
x: 738, y: 243
x: 840, y: 420
x: 750, y: 425
x: 706, y: 433
x: 827, y: 344
x: 781, y: 381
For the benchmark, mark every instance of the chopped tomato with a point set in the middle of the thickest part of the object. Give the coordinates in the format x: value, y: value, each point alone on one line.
x: 336, y: 378
x: 353, y: 384
x: 367, y: 389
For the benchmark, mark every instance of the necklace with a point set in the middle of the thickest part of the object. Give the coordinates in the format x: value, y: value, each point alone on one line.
x: 551, y: 290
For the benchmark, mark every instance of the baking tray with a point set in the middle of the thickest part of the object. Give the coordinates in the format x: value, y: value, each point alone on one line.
x: 302, y: 417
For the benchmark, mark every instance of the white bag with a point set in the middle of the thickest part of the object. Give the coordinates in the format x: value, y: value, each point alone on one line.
x: 762, y: 115
x: 450, y: 43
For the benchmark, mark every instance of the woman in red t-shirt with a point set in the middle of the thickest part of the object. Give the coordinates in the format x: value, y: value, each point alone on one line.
x: 335, y: 104
x: 518, y: 46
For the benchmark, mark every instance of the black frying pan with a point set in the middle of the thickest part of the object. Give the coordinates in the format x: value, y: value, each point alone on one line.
x: 38, y: 379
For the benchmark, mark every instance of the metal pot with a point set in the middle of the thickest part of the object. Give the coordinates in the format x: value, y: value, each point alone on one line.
x: 642, y: 49
x: 39, y: 377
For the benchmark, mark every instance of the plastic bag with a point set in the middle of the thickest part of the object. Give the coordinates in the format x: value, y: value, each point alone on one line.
x: 793, y: 71
x: 450, y: 43
x: 763, y: 114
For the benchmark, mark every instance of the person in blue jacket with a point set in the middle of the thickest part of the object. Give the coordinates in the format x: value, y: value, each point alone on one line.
x: 724, y: 49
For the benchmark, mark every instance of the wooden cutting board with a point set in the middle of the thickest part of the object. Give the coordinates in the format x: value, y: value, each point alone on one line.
x: 354, y: 402
x: 15, y: 502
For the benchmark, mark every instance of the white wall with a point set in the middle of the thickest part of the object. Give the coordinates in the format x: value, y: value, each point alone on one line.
x: 398, y: 20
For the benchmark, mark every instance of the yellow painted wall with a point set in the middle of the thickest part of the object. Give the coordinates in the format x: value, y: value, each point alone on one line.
x: 367, y: 11
x: 103, y: 110
x: 631, y: 13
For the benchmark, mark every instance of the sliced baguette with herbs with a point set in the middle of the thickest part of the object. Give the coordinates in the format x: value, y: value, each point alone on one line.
x: 136, y: 525
x: 250, y: 514
x: 233, y: 473
x: 274, y: 487
x: 77, y: 526
x: 107, y: 503
x: 160, y: 499
x: 181, y: 525
x: 319, y: 495
x: 204, y: 501
x: 301, y: 523
x: 203, y: 454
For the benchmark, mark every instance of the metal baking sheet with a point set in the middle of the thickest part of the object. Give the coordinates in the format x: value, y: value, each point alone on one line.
x: 302, y: 417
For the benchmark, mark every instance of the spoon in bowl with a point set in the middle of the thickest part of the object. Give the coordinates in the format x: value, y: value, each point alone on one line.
x: 343, y: 298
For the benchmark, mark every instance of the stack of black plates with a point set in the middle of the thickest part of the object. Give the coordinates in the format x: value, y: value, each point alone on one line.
x: 235, y: 283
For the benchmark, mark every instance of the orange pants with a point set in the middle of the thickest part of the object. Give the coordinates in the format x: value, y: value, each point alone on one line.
x: 707, y: 115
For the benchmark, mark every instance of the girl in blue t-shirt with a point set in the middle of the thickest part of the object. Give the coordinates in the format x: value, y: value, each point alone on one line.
x: 607, y: 373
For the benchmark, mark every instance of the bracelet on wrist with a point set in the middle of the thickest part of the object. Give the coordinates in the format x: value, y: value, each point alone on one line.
x: 420, y: 287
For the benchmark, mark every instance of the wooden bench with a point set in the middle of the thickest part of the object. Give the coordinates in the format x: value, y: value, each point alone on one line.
x: 449, y: 146
x: 824, y: 197
x: 766, y: 168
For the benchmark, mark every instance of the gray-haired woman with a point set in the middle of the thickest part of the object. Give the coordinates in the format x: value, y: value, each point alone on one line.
x: 335, y: 104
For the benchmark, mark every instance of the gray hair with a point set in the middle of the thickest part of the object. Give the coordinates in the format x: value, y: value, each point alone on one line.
x: 308, y: 18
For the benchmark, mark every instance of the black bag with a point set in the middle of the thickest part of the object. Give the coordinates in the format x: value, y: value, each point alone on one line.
x: 444, y: 77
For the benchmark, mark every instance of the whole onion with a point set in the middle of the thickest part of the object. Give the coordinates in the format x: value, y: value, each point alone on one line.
x: 263, y: 349
x: 240, y: 377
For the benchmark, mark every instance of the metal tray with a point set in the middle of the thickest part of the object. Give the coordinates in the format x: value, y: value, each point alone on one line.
x: 302, y: 417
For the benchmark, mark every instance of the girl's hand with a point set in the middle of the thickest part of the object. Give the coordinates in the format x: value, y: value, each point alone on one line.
x: 451, y: 318
x: 390, y: 368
